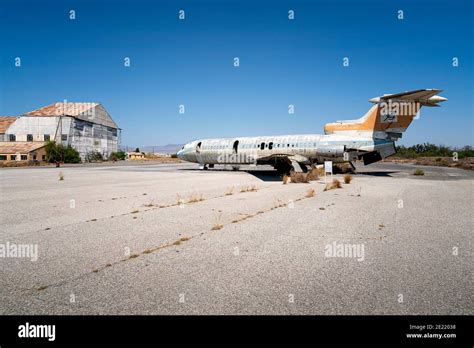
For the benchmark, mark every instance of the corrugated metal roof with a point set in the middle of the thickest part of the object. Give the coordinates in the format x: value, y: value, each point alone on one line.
x: 5, y: 122
x: 13, y: 147
x: 62, y: 109
x: 91, y: 112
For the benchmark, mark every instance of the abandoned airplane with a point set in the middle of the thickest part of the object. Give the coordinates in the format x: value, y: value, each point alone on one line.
x: 370, y: 138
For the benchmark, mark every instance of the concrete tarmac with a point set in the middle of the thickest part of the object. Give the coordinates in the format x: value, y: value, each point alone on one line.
x: 171, y: 239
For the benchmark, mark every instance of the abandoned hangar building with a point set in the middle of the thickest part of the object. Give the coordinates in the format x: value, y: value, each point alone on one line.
x: 87, y: 127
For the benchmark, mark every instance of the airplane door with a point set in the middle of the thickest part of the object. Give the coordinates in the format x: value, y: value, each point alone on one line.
x: 198, y: 153
x: 235, y: 147
x: 235, y: 150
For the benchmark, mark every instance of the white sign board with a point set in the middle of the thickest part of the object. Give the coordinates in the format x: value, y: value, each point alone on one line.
x: 328, y: 167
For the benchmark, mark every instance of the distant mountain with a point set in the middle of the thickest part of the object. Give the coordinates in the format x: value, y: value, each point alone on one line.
x: 169, y: 148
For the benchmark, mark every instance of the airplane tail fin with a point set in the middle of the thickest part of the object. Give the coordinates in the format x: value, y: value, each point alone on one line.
x: 390, y: 116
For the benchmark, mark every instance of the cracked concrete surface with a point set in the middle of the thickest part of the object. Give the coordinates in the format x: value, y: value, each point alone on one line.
x: 121, y: 241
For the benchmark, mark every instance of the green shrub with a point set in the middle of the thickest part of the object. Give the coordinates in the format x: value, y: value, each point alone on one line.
x: 118, y: 156
x: 419, y: 172
x: 71, y: 155
x: 59, y: 153
x: 174, y: 155
x: 53, y: 153
x: 431, y: 150
x: 94, y: 156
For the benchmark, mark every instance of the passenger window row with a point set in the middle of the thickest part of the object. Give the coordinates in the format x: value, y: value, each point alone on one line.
x: 262, y: 146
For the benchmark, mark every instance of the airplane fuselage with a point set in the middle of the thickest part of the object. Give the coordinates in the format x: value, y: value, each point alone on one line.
x: 304, y: 149
x: 370, y: 138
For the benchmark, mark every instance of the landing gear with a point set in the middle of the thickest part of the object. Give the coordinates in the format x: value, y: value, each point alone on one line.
x: 283, y: 168
x: 303, y: 167
x: 203, y: 166
x: 353, y: 166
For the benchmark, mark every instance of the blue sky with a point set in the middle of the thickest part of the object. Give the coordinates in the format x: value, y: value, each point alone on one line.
x: 282, y: 62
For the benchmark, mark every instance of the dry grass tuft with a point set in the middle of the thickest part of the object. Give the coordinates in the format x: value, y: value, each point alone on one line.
x: 347, y: 178
x: 335, y: 184
x: 195, y: 197
x: 133, y: 256
x: 342, y: 168
x: 179, y: 200
x: 314, y: 174
x: 217, y: 226
x: 61, y: 176
x: 252, y: 188
x: 135, y: 211
x: 295, y: 177
x: 230, y: 191
x: 179, y: 241
x: 299, y: 177
x: 278, y: 203
x: 311, y: 193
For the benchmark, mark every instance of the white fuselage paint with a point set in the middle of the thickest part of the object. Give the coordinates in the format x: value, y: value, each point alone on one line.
x: 303, y: 148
